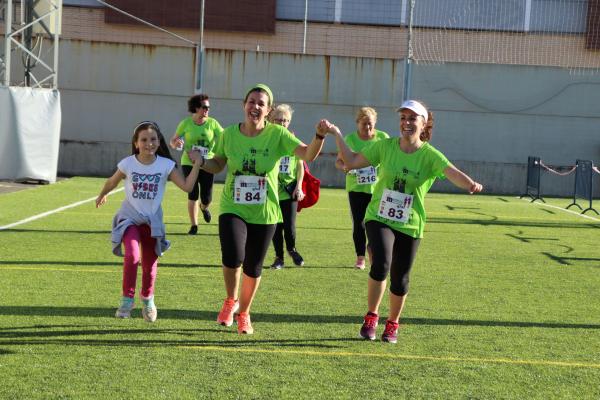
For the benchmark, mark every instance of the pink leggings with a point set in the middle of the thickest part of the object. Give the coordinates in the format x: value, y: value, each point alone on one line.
x: 134, y: 236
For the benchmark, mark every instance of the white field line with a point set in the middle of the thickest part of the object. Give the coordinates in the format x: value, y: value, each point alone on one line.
x: 47, y: 213
x: 565, y: 210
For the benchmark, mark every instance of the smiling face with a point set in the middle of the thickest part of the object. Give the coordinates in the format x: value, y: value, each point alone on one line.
x: 256, y: 107
x: 146, y: 143
x: 411, y: 124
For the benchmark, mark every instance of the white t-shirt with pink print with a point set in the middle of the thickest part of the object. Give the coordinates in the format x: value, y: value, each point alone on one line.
x: 145, y: 184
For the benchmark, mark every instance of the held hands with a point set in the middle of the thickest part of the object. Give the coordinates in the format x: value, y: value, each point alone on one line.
x: 196, y: 158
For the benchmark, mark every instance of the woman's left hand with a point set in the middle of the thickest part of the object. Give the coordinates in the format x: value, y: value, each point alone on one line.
x: 298, y: 193
x: 475, y: 188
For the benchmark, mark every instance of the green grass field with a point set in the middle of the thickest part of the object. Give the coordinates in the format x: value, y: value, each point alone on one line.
x: 504, y: 303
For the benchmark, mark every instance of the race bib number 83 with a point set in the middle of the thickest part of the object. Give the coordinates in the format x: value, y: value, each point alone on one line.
x: 395, y: 206
x: 250, y: 189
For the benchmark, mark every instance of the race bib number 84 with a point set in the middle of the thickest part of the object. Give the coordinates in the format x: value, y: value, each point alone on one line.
x: 250, y: 189
x: 395, y: 206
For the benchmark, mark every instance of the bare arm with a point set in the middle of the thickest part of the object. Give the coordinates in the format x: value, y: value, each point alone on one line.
x: 214, y: 165
x: 298, y: 193
x: 462, y: 180
x: 187, y: 183
x: 349, y: 159
x: 109, y: 185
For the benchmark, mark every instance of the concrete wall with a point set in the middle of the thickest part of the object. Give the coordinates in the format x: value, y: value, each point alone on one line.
x: 489, y: 118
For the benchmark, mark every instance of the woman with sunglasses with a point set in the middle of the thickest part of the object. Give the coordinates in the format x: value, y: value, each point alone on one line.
x: 197, y: 132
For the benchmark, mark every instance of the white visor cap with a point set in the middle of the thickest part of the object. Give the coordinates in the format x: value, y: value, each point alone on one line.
x: 415, y: 106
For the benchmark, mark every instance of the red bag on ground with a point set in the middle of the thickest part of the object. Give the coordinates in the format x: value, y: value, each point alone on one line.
x: 311, y: 187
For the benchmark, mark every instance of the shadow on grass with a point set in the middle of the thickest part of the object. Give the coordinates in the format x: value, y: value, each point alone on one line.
x: 96, y: 232
x: 570, y: 260
x: 117, y: 263
x: 4, y: 352
x: 536, y: 224
x: 204, y: 315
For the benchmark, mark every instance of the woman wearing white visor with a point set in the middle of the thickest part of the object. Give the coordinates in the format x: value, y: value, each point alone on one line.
x: 395, y: 217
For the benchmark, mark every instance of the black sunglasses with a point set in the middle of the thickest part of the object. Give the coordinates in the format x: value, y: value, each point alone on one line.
x: 205, y: 107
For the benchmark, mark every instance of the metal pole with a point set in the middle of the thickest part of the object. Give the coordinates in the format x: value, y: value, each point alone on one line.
x: 409, y: 55
x: 200, y: 53
x: 57, y: 23
x: 7, y: 46
x: 305, y: 26
x: 27, y: 40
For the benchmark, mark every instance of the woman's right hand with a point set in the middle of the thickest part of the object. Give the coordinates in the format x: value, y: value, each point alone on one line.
x: 100, y: 200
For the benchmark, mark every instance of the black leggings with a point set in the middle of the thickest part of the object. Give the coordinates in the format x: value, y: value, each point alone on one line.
x: 287, y: 229
x: 394, y: 253
x: 244, y: 244
x: 205, y: 181
x: 358, y: 206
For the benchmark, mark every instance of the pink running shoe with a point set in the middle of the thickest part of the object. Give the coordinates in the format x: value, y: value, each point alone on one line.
x: 244, y: 324
x: 225, y: 317
x: 369, y: 326
x: 390, y: 333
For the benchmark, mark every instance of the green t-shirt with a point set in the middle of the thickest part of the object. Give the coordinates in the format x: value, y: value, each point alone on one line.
x: 413, y: 174
x: 288, y: 168
x: 204, y: 135
x: 256, y: 156
x: 362, y: 181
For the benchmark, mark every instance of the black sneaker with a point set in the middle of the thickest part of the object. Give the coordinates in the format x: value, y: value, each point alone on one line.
x: 277, y: 264
x: 206, y: 215
x: 298, y: 260
x: 193, y: 230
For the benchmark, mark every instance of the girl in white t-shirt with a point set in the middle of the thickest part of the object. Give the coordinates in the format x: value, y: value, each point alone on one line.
x: 139, y: 221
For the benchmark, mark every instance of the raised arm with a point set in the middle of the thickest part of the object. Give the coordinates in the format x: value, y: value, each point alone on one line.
x: 349, y: 159
x: 109, y: 185
x: 462, y: 180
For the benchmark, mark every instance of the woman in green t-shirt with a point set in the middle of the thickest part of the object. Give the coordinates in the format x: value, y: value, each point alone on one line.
x: 291, y: 174
x: 360, y: 182
x: 197, y: 132
x: 395, y: 217
x: 249, y: 207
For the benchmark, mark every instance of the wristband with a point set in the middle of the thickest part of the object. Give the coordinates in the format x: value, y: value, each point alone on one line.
x: 319, y: 136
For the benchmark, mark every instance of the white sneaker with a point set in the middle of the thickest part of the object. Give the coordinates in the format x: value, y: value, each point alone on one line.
x: 149, y: 313
x: 124, y: 310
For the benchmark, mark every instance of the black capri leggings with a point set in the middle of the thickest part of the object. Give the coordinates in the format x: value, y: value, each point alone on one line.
x: 205, y: 181
x: 244, y: 244
x: 393, y: 252
x: 358, y: 206
x: 287, y: 229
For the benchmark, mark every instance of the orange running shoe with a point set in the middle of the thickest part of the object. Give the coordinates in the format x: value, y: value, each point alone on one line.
x: 244, y: 325
x: 230, y: 306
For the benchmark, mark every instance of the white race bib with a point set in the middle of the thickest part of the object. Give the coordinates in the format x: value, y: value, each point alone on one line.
x: 395, y: 206
x: 203, y: 150
x: 284, y: 165
x: 250, y: 189
x: 366, y: 175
